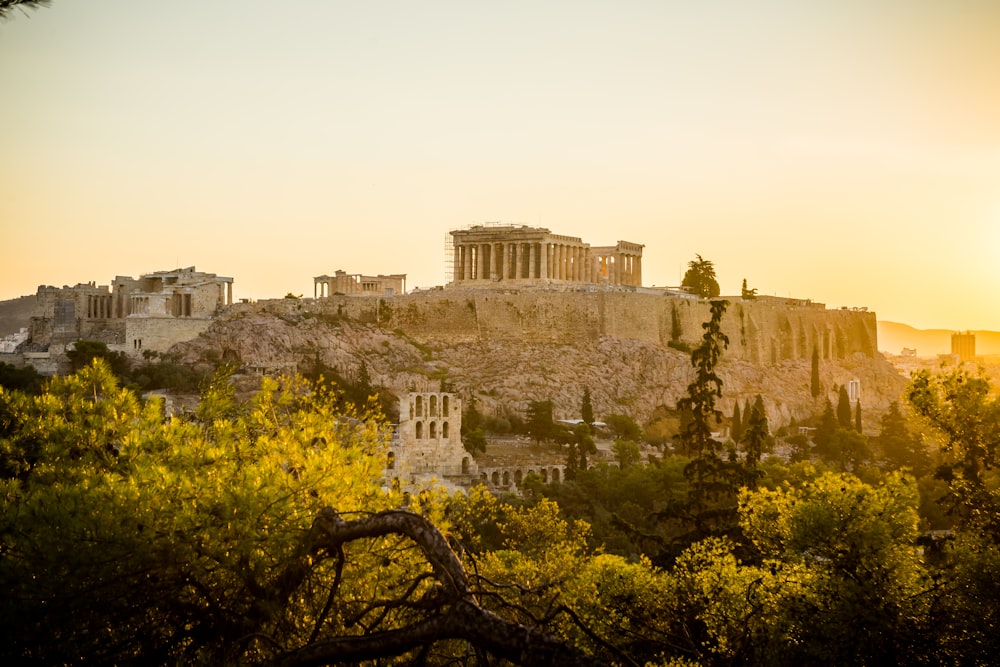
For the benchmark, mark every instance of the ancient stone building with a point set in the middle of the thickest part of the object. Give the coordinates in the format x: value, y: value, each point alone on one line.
x: 427, y: 441
x: 355, y: 284
x: 485, y: 255
x: 149, y: 313
x: 168, y: 307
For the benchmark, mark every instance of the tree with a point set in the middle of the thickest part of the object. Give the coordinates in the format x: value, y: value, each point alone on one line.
x: 736, y: 431
x: 216, y: 539
x: 623, y: 426
x: 962, y: 406
x: 626, y: 452
x: 748, y: 294
x: 897, y: 446
x: 540, y: 424
x: 710, y: 504
x: 827, y: 425
x: 7, y: 7
x: 84, y: 352
x: 849, y: 583
x: 844, y: 409
x: 584, y: 443
x: 700, y: 278
x: 857, y: 417
x: 814, y: 386
x: 586, y: 407
x: 754, y: 439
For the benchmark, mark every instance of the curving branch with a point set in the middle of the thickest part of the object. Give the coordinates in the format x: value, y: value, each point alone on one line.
x: 457, y: 616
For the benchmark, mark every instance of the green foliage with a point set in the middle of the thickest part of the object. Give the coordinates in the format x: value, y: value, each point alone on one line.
x: 127, y: 538
x: 85, y: 351
x: 851, y: 573
x: 710, y: 506
x: 700, y: 278
x: 25, y: 379
x: 898, y: 447
x: 844, y: 409
x: 623, y: 426
x: 586, y: 407
x: 963, y: 407
x: 539, y: 420
x: 754, y: 440
x: 626, y: 452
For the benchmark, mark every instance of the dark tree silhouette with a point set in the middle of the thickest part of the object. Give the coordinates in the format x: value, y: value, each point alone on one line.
x: 700, y: 278
x: 7, y: 7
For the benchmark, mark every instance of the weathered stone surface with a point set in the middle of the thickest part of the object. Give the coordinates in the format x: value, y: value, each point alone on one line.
x: 508, y: 348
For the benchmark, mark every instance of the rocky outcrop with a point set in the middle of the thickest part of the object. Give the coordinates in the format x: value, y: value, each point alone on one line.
x: 510, y: 348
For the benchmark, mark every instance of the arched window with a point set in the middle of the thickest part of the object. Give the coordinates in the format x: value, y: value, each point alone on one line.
x: 420, y: 430
x: 434, y: 406
x: 506, y: 478
x: 433, y: 432
x: 496, y: 478
x: 465, y: 465
x: 517, y: 477
x: 444, y: 430
x: 555, y: 475
x: 444, y: 405
x: 420, y: 406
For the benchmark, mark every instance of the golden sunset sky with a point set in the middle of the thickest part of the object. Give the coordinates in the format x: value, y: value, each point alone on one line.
x: 845, y: 151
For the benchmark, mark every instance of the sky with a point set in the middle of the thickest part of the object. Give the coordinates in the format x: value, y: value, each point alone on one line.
x: 844, y: 151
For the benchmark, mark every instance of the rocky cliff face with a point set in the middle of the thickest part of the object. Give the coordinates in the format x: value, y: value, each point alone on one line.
x: 511, y: 348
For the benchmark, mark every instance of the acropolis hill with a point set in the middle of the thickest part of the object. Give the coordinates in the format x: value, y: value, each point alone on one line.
x: 509, y: 347
x: 527, y: 315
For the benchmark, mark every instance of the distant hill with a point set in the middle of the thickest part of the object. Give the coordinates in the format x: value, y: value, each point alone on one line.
x: 893, y: 337
x: 16, y: 313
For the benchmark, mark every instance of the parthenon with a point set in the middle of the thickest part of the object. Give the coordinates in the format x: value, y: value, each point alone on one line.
x: 522, y: 255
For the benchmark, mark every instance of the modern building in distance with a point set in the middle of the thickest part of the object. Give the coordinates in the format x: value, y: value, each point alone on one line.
x: 485, y: 255
x: 963, y: 345
x: 355, y: 284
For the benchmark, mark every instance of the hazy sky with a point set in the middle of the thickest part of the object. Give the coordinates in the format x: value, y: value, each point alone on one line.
x: 844, y: 151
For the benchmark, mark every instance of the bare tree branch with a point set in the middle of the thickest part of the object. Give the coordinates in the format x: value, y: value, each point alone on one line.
x: 458, y: 616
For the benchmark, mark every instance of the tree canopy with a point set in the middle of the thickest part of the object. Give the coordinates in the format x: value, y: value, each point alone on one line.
x: 700, y: 278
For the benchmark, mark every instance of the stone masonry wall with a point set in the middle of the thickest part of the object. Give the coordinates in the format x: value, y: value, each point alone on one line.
x: 759, y: 332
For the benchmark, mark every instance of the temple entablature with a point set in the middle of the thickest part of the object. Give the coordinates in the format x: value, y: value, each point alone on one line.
x: 356, y: 284
x: 521, y: 255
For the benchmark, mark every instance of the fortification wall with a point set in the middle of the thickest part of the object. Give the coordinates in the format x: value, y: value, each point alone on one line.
x: 760, y: 332
x: 159, y: 333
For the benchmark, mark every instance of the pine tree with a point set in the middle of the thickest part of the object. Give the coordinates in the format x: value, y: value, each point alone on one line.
x: 857, y: 416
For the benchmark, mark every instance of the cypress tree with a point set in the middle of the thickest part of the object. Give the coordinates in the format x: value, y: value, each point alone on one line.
x: 857, y: 416
x: 844, y: 409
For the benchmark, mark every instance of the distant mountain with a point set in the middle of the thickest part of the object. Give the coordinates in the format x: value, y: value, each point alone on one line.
x: 16, y: 313
x: 893, y: 337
